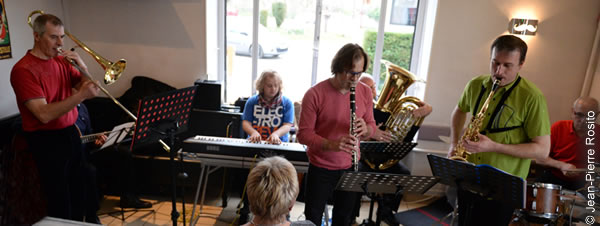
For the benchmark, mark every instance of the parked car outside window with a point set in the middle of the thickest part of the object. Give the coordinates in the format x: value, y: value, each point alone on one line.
x: 270, y: 43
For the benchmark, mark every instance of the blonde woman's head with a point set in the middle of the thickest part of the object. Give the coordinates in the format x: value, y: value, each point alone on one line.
x: 272, y: 188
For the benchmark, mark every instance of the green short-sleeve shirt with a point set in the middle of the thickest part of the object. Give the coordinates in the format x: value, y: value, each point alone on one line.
x: 525, y: 108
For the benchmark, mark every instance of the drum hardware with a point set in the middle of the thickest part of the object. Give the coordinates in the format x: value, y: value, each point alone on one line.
x: 543, y: 200
x: 545, y: 205
x: 567, y: 202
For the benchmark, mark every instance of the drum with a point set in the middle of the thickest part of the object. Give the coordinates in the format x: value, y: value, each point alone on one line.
x: 543, y: 200
x: 522, y: 219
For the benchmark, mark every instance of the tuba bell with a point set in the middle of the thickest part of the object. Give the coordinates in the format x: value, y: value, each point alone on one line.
x: 401, y: 119
x: 391, y: 101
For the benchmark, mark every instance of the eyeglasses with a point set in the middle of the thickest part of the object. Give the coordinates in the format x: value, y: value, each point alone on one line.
x: 579, y: 114
x: 355, y: 73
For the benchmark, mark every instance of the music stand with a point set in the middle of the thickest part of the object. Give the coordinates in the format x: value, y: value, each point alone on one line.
x: 117, y: 135
x: 374, y: 153
x: 386, y: 183
x: 163, y: 116
x: 483, y: 180
x: 382, y: 151
x: 118, y: 139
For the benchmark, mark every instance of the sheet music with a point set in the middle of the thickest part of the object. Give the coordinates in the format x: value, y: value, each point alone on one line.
x: 118, y: 134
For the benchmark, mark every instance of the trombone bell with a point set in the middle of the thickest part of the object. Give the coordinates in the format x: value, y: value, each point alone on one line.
x: 114, y: 71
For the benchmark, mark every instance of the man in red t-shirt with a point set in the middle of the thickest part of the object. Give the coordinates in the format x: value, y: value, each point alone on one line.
x: 569, y: 152
x: 43, y: 81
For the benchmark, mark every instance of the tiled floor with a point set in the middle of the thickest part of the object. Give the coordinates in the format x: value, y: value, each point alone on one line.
x: 160, y: 214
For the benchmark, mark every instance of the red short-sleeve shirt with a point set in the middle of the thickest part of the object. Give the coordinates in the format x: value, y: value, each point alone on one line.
x: 52, y: 79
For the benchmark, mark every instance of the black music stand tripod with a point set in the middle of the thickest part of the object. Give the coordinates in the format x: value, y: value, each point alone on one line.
x: 117, y: 146
x: 483, y: 180
x: 163, y: 116
x: 386, y: 183
x: 373, y: 154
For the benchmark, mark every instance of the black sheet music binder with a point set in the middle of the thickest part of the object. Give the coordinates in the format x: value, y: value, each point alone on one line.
x: 384, y: 182
x: 395, y: 150
x: 376, y: 152
x: 484, y: 180
x: 160, y: 112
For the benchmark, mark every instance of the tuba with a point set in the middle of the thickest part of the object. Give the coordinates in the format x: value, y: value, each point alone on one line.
x: 390, y: 100
x: 461, y: 154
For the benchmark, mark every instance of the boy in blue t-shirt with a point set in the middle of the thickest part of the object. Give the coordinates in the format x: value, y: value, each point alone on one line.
x: 268, y: 115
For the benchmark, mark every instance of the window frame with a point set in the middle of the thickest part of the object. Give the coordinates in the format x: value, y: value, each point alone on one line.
x: 420, y: 53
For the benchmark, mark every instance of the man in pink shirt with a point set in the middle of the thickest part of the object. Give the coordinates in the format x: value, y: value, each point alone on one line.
x: 324, y: 128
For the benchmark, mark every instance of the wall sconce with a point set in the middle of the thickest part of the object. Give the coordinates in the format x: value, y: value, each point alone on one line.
x: 522, y: 26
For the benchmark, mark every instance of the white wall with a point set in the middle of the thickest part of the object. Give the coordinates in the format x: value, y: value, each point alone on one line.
x: 21, y: 39
x: 160, y: 39
x: 556, y: 60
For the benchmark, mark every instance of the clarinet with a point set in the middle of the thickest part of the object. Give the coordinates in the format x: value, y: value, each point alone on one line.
x: 352, y: 119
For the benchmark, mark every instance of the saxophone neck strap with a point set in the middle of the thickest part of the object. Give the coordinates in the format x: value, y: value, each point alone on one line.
x: 478, y: 100
x: 488, y: 128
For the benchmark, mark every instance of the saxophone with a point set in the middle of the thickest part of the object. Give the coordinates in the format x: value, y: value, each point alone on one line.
x: 461, y: 154
x: 352, y: 119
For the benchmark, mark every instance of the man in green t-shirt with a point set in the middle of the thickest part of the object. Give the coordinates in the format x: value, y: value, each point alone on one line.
x: 516, y: 127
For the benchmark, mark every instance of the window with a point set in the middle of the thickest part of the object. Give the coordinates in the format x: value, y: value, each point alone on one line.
x: 301, y: 42
x: 404, y: 12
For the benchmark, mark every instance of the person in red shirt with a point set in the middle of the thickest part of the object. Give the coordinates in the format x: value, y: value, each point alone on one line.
x: 325, y: 129
x: 568, y: 152
x: 42, y: 81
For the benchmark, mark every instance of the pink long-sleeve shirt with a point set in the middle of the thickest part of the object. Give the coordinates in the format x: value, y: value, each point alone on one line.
x: 326, y: 115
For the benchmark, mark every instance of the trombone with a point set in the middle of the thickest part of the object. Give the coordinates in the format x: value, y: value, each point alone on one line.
x: 113, y: 70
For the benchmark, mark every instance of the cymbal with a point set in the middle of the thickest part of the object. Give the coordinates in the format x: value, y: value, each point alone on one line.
x: 445, y: 139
